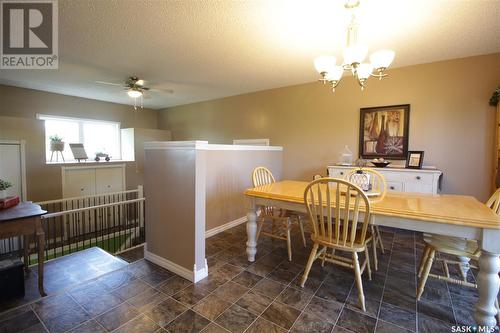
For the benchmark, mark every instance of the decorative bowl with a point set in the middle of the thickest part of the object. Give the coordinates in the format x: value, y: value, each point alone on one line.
x: 381, y: 164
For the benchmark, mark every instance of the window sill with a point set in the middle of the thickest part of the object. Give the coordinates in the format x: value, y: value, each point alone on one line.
x: 86, y: 162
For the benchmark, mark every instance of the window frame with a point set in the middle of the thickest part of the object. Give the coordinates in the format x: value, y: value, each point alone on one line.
x: 81, y: 122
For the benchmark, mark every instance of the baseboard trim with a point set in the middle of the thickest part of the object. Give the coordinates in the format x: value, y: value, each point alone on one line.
x: 228, y: 225
x: 193, y: 276
x: 200, y: 274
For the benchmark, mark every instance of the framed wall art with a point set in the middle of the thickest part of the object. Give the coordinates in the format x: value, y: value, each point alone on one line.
x: 384, y: 132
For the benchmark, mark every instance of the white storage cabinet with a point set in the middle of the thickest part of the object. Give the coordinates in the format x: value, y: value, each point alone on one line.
x: 78, y: 181
x: 400, y: 179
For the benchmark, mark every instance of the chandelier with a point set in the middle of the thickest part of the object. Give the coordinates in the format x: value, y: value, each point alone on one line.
x: 354, y: 54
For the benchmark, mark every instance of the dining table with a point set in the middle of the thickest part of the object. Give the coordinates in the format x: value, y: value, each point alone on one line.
x: 444, y: 214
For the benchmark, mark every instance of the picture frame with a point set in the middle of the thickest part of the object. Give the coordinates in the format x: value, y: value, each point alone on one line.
x: 415, y: 159
x: 384, y: 132
x: 78, y: 151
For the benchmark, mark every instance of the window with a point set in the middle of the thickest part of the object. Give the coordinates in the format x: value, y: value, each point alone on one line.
x: 96, y: 136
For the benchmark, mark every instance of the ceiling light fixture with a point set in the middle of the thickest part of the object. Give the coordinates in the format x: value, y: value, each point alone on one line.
x: 136, y: 93
x: 354, y: 54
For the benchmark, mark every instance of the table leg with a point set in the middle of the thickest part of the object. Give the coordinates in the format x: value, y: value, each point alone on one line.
x: 41, y: 256
x: 488, y: 284
x: 252, y: 232
x: 26, y: 245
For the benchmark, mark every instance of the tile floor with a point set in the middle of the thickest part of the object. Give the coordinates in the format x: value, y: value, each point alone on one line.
x: 65, y: 272
x: 260, y: 297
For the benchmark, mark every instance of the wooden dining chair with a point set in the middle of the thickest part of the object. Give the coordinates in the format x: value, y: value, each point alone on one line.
x: 339, y: 213
x: 281, y: 219
x: 370, y: 180
x: 453, y: 246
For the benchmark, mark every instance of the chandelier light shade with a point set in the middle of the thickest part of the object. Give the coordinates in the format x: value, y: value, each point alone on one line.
x: 382, y: 58
x: 324, y: 64
x: 354, y: 55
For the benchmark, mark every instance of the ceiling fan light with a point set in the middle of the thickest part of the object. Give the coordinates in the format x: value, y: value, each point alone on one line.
x: 134, y: 93
x: 364, y: 70
x: 323, y: 64
x: 382, y: 58
x: 140, y: 82
x: 355, y: 54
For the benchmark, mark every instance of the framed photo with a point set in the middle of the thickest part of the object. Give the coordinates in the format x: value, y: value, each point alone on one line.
x: 78, y: 151
x: 383, y: 132
x: 415, y: 159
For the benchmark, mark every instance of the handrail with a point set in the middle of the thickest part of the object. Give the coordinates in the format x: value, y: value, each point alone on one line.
x: 66, y: 212
x: 85, y: 197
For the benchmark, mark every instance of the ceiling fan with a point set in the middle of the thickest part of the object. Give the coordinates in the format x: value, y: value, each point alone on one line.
x: 136, y: 89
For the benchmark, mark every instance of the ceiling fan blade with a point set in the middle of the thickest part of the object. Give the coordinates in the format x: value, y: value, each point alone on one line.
x: 109, y: 83
x: 168, y: 91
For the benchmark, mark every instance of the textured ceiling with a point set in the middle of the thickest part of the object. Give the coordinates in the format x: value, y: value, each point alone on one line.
x: 210, y: 49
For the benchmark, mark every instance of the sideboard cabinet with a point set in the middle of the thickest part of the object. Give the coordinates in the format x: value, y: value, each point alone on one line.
x: 400, y: 179
x: 80, y: 181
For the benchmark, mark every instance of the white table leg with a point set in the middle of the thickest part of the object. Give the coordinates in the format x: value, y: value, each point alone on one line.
x: 488, y: 284
x: 252, y: 232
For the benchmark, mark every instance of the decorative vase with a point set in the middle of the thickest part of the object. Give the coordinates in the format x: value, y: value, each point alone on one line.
x: 56, y: 146
x: 3, y: 194
x: 380, y: 147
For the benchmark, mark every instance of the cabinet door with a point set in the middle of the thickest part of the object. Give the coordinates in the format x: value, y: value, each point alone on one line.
x: 418, y: 187
x: 109, y: 180
x: 79, y: 182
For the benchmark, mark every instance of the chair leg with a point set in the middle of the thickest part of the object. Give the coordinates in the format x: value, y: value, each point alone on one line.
x: 367, y: 255
x: 259, y: 228
x: 289, y: 242
x: 379, y: 240
x: 498, y: 310
x: 324, y: 257
x: 425, y: 255
x: 425, y: 274
x: 374, y: 246
x: 359, y: 282
x: 312, y: 256
x: 301, y: 226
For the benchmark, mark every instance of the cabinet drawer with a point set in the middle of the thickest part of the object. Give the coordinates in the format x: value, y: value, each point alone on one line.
x: 394, y: 187
x: 408, y: 177
x: 422, y: 178
x: 337, y: 173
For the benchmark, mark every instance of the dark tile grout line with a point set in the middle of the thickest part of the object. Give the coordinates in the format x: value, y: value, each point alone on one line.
x: 385, y: 282
x: 40, y: 319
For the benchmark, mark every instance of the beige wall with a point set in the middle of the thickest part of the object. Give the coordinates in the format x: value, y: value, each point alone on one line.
x: 18, y: 122
x: 228, y: 175
x: 191, y: 190
x: 450, y: 119
x: 170, y: 179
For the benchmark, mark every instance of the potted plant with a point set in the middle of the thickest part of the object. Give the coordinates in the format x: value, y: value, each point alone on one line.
x: 56, y: 143
x: 4, y: 185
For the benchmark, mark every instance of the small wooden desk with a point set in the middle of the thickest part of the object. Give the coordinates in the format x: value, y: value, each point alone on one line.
x: 450, y: 215
x: 24, y: 220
